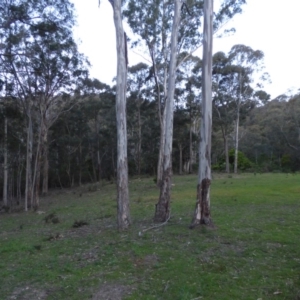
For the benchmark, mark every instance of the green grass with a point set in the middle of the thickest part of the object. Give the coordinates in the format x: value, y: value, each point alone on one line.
x: 253, y: 253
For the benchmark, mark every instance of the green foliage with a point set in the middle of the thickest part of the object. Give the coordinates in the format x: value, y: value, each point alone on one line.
x: 244, y: 163
x: 272, y: 135
x: 254, y: 247
x: 286, y: 162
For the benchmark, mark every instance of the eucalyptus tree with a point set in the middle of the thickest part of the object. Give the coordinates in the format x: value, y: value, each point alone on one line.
x: 4, y: 148
x: 139, y: 89
x: 11, y: 148
x: 279, y: 123
x: 191, y: 97
x: 249, y: 63
x: 41, y: 64
x: 202, y: 211
x: 162, y: 211
x: 234, y: 92
x: 121, y: 87
x: 155, y: 32
x: 83, y: 146
x: 91, y: 92
x: 272, y: 134
x: 223, y: 99
x: 181, y: 138
x: 290, y: 128
x: 187, y: 98
x: 5, y: 163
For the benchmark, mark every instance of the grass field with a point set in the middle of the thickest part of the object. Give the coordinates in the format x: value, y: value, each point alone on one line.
x: 74, y: 251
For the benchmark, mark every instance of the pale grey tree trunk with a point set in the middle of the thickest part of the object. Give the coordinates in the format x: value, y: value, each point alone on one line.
x: 226, y: 154
x: 98, y: 164
x: 5, y: 166
x: 98, y: 175
x: 180, y: 159
x: 80, y: 164
x: 139, y: 138
x: 225, y: 140
x: 191, y: 151
x: 45, y: 171
x: 162, y: 110
x: 19, y: 178
x: 37, y: 181
x: 122, y: 164
x: 28, y: 184
x: 202, y: 210
x: 162, y: 210
x: 236, y: 150
x: 237, y: 124
x: 45, y: 163
x: 162, y: 123
x: 37, y: 173
x: 161, y: 148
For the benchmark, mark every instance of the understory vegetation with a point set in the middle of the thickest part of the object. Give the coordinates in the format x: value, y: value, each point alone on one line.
x: 70, y: 248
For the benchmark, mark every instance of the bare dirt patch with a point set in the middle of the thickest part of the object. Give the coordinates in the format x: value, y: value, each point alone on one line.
x: 111, y: 291
x: 28, y: 293
x: 147, y: 261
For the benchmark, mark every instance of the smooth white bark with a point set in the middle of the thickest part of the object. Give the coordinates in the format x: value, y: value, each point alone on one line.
x: 163, y: 206
x: 202, y: 210
x: 236, y: 150
x: 122, y: 164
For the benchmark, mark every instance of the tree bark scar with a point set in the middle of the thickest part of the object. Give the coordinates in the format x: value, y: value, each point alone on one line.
x: 162, y: 209
x: 205, y: 212
x: 126, y: 50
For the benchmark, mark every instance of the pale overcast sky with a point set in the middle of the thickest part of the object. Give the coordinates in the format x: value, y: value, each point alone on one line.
x: 268, y: 25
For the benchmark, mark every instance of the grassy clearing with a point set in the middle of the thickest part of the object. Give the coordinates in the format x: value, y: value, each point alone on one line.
x: 254, y: 253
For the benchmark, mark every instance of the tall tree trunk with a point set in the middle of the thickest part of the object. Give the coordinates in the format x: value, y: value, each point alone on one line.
x: 237, y: 124
x: 5, y: 178
x: 80, y: 164
x: 139, y: 137
x: 98, y: 164
x: 161, y: 100
x: 98, y: 175
x: 161, y: 150
x: 11, y: 189
x: 37, y: 182
x: 236, y: 150
x: 162, y: 211
x: 202, y: 210
x: 37, y: 172
x: 45, y: 171
x: 180, y: 159
x: 94, y: 178
x: 225, y: 140
x: 19, y: 176
x: 191, y: 151
x: 45, y: 164
x: 28, y: 184
x: 226, y: 155
x: 122, y: 163
x: 19, y: 180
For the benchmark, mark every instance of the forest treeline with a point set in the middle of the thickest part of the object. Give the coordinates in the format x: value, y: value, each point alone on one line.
x: 82, y: 141
x: 58, y: 126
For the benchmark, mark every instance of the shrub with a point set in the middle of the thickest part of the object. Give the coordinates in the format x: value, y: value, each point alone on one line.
x: 244, y: 162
